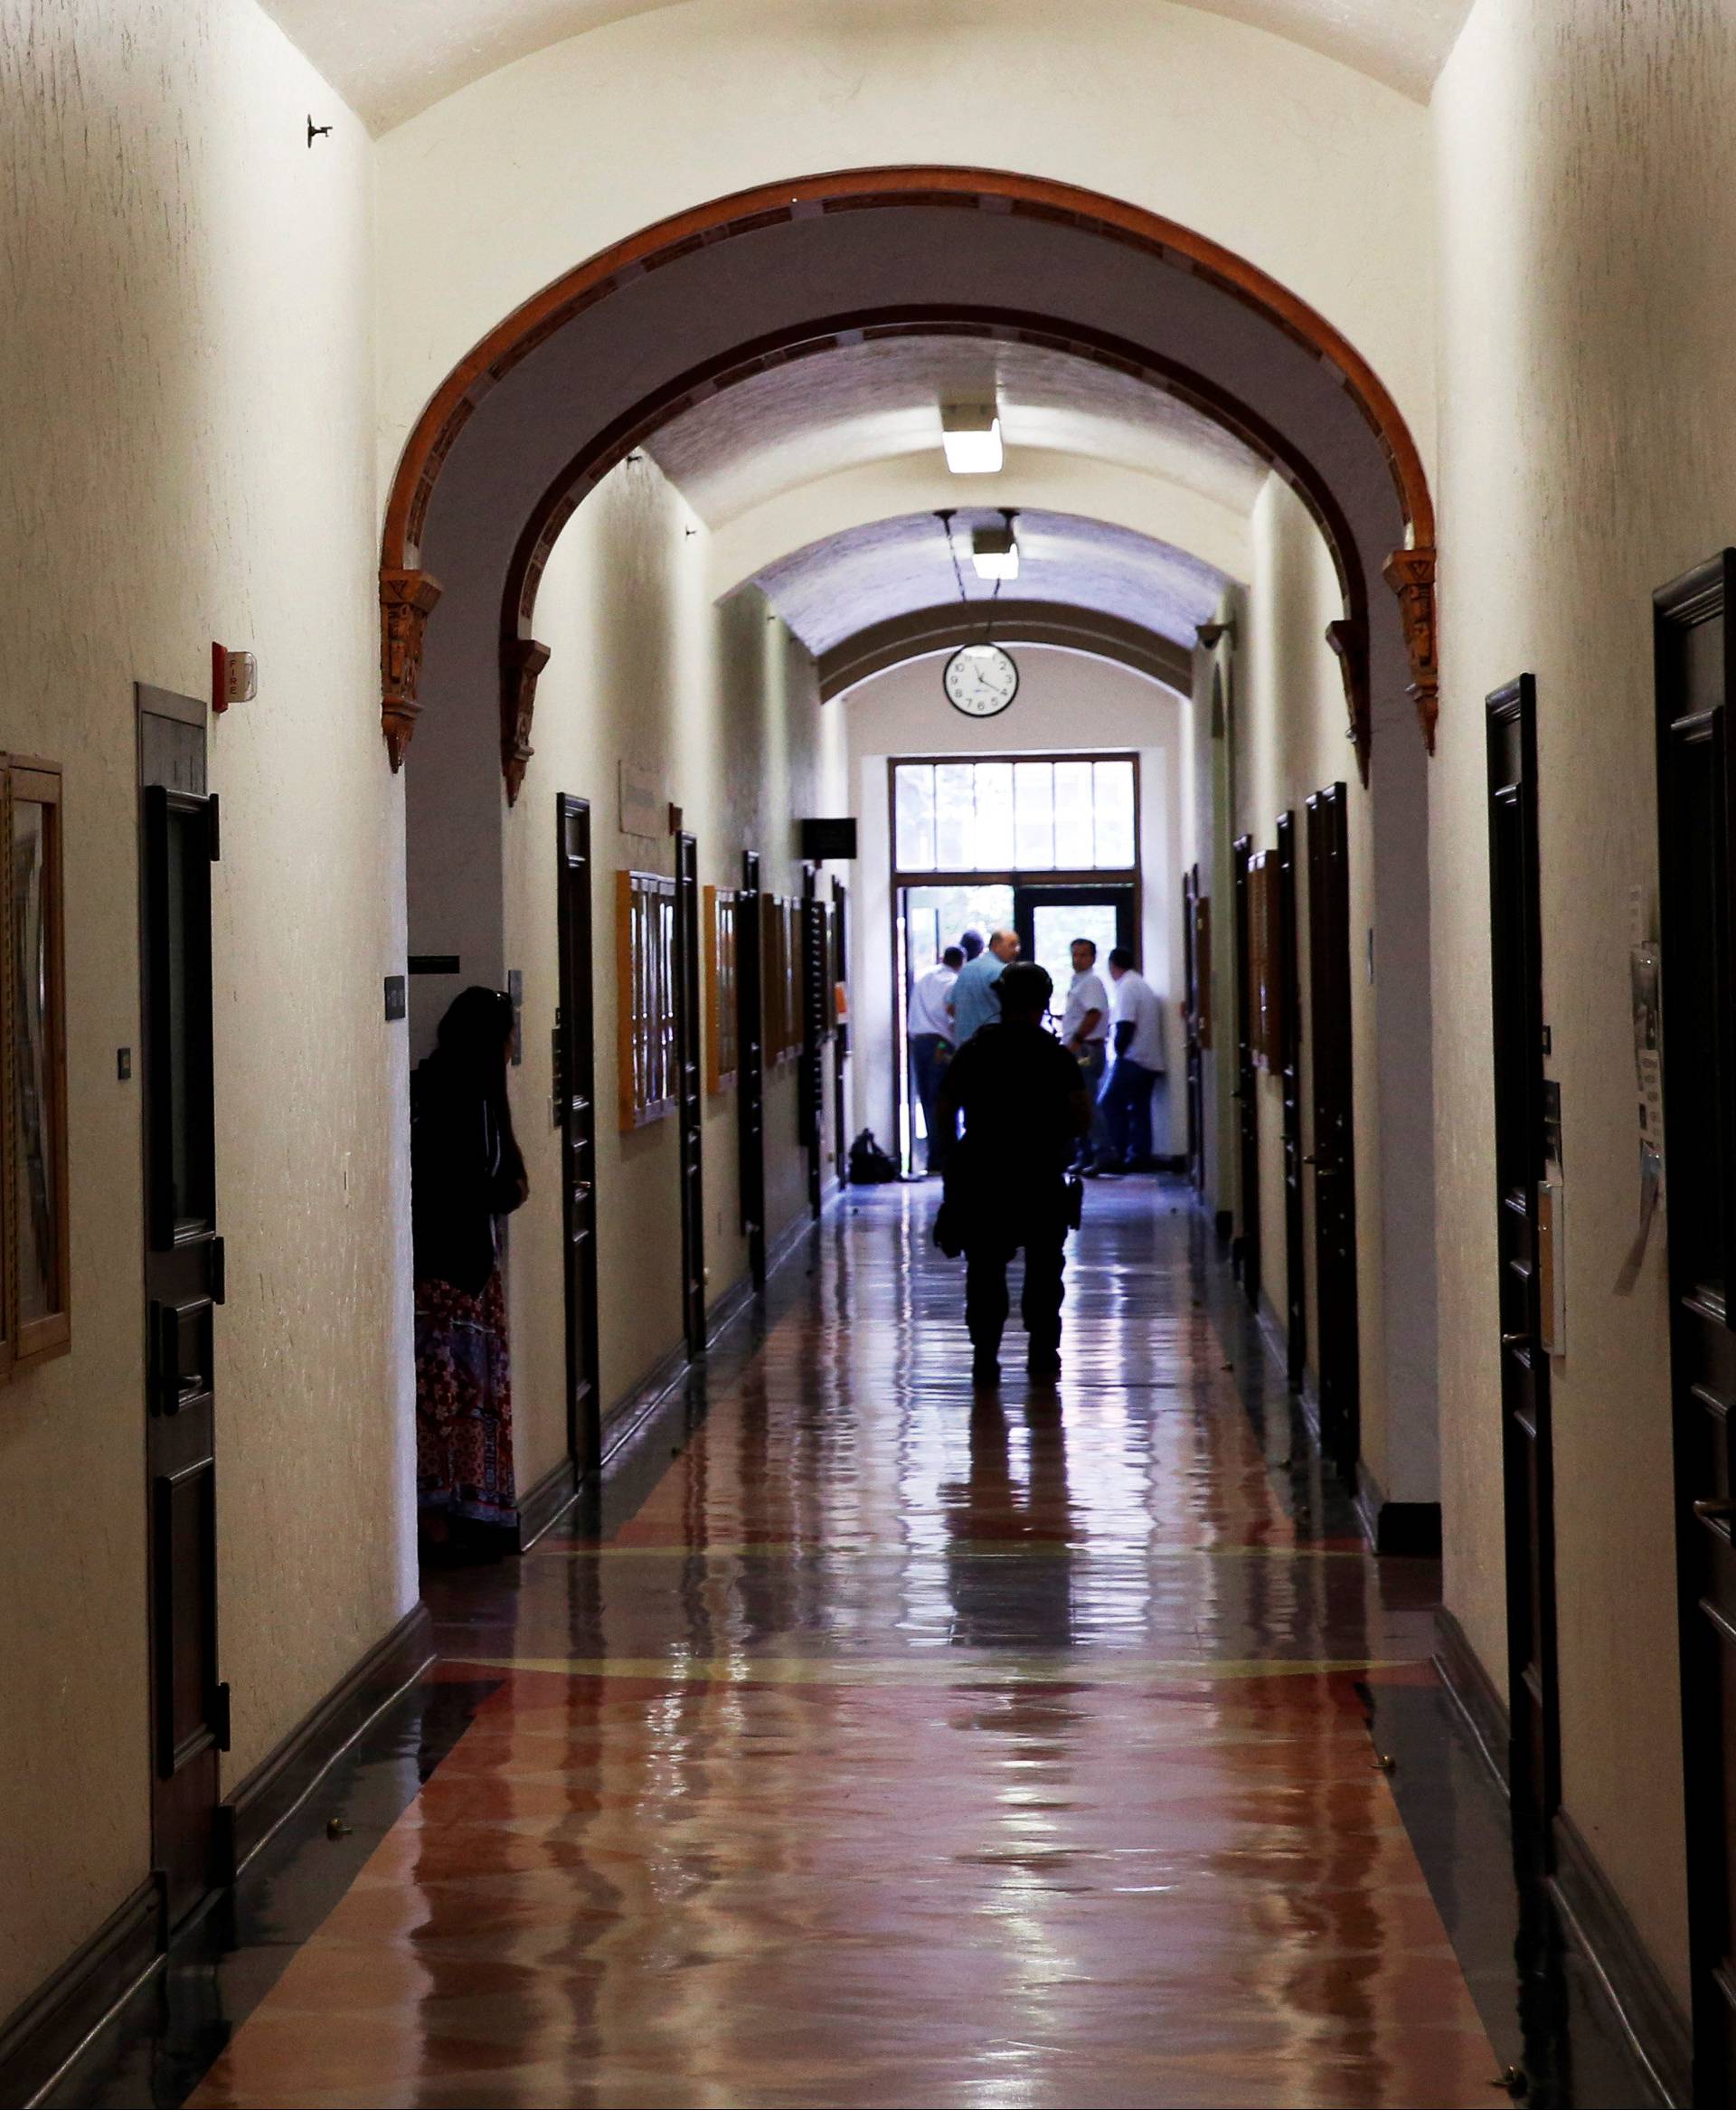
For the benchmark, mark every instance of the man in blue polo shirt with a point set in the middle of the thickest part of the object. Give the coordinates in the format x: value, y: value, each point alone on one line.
x: 973, y: 1002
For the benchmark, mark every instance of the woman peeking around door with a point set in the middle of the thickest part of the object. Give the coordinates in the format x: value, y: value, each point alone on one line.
x: 466, y: 1173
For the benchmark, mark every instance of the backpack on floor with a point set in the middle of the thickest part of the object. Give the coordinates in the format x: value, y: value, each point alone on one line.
x: 869, y: 1164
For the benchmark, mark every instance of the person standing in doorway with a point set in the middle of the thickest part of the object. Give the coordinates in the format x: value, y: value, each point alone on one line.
x: 931, y: 1044
x: 973, y: 1002
x: 466, y: 1173
x: 1085, y: 1035
x: 1138, y: 1063
x: 1024, y: 1109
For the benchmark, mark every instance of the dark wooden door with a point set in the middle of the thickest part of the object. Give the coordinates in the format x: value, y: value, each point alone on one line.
x: 811, y: 1077
x: 1516, y: 950
x: 751, y: 1083
x: 1289, y: 1000
x: 1337, y: 1357
x: 575, y: 1088
x: 183, y: 1285
x: 1694, y: 692
x: 841, y: 1027
x: 1246, y: 1245
x: 690, y: 1093
x: 1192, y: 1051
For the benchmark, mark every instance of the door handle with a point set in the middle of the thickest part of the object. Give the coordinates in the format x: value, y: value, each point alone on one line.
x: 1719, y: 1512
x: 1515, y: 1340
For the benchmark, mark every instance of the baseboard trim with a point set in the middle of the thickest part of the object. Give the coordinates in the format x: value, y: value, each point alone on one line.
x: 1473, y: 1691
x: 723, y: 1315
x: 640, y: 1401
x: 1412, y: 1529
x: 1655, y: 2028
x: 41, y: 2037
x: 252, y: 1811
x: 780, y: 1249
x: 547, y: 1502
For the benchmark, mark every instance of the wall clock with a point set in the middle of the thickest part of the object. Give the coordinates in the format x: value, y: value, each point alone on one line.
x: 980, y: 680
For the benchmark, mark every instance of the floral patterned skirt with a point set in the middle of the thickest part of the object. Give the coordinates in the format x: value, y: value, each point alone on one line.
x: 464, y: 1404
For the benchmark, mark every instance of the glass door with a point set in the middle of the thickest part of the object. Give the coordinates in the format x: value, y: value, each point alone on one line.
x: 1048, y: 919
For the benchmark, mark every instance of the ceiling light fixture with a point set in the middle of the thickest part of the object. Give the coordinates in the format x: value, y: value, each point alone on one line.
x: 995, y: 551
x: 971, y: 435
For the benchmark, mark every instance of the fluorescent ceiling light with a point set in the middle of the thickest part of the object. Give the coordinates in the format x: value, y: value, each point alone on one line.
x: 971, y: 435
x: 995, y: 552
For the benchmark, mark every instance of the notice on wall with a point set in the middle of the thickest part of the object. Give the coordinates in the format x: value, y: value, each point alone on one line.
x: 1645, y: 978
x: 643, y: 809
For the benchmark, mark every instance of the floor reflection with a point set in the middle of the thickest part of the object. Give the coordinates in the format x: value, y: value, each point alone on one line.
x: 865, y: 1740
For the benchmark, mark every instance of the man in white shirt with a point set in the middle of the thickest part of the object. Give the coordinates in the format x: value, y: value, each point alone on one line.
x: 1138, y: 1063
x: 931, y: 1042
x: 1085, y: 1035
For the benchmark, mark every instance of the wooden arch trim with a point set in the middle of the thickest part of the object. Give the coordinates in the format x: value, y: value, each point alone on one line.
x: 406, y: 594
x: 923, y: 632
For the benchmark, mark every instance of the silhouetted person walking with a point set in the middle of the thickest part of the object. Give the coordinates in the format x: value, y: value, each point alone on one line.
x: 1024, y: 1109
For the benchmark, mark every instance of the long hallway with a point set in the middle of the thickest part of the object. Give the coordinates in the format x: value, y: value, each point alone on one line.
x: 874, y: 1743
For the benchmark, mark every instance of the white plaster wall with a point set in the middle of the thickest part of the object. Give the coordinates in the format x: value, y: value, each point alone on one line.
x: 1315, y: 172
x: 186, y: 377
x: 720, y: 706
x: 1066, y: 702
x: 1589, y: 211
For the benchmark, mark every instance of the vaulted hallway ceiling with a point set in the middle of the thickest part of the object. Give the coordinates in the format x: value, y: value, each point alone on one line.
x: 394, y: 58
x: 852, y: 582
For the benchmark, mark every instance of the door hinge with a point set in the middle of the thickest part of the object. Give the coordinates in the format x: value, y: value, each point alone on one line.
x: 219, y: 1272
x: 220, y: 1716
x: 214, y: 822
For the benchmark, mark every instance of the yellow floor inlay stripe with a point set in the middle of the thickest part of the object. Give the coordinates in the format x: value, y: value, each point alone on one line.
x: 978, y: 1549
x: 954, y: 1669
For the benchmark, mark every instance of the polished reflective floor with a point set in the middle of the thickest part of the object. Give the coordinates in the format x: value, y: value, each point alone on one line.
x: 870, y: 1741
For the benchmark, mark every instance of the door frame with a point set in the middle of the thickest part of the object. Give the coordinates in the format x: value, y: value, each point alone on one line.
x: 183, y: 1282
x: 1528, y: 1475
x: 1701, y: 1318
x: 1290, y: 1002
x: 690, y: 1093
x: 575, y: 1085
x: 1245, y: 1247
x: 751, y: 1054
x: 1337, y: 1354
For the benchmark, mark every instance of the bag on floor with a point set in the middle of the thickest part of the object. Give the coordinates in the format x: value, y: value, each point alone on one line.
x: 869, y: 1164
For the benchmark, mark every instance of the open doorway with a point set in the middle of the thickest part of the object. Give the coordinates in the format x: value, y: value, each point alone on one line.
x: 1045, y: 845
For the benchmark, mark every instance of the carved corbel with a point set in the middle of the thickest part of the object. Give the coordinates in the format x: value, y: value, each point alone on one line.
x: 520, y: 661
x: 405, y: 599
x: 1348, y: 638
x: 1411, y: 573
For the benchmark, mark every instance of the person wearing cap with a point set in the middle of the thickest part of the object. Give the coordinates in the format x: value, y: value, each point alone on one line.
x: 1024, y: 1108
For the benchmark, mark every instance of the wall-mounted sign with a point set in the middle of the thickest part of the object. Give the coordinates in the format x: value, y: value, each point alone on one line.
x: 644, y: 809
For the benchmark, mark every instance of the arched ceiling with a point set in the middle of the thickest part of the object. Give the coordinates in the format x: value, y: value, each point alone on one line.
x: 391, y: 58
x: 871, y: 575
x: 793, y: 424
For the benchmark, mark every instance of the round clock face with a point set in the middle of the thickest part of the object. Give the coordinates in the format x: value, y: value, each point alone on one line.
x: 980, y: 680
